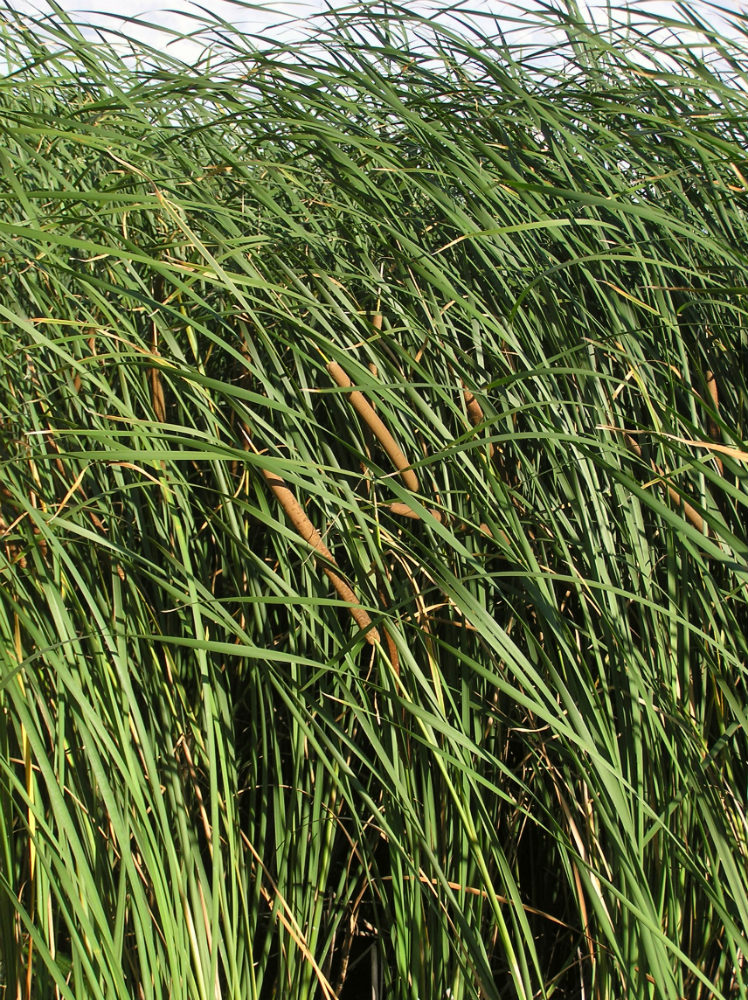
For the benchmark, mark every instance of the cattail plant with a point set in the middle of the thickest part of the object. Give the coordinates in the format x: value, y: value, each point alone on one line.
x: 211, y: 784
x: 376, y: 425
x: 309, y: 533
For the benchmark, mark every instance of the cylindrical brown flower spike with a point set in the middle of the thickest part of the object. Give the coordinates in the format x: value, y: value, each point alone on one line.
x: 474, y: 409
x: 693, y: 515
x: 358, y: 614
x: 296, y: 514
x: 405, y: 511
x: 475, y: 413
x: 366, y: 411
x: 309, y: 533
x: 711, y: 384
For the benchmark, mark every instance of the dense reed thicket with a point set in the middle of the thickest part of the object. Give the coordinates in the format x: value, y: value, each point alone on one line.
x: 298, y: 704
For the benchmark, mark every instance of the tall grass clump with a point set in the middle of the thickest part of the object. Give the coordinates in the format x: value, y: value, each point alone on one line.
x: 373, y: 551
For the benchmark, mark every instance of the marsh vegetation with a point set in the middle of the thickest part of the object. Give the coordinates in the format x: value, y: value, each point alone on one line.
x: 285, y: 689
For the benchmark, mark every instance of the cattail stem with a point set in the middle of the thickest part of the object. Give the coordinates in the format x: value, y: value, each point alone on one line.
x: 366, y: 411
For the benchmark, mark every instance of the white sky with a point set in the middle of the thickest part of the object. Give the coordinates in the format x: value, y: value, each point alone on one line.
x: 248, y: 16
